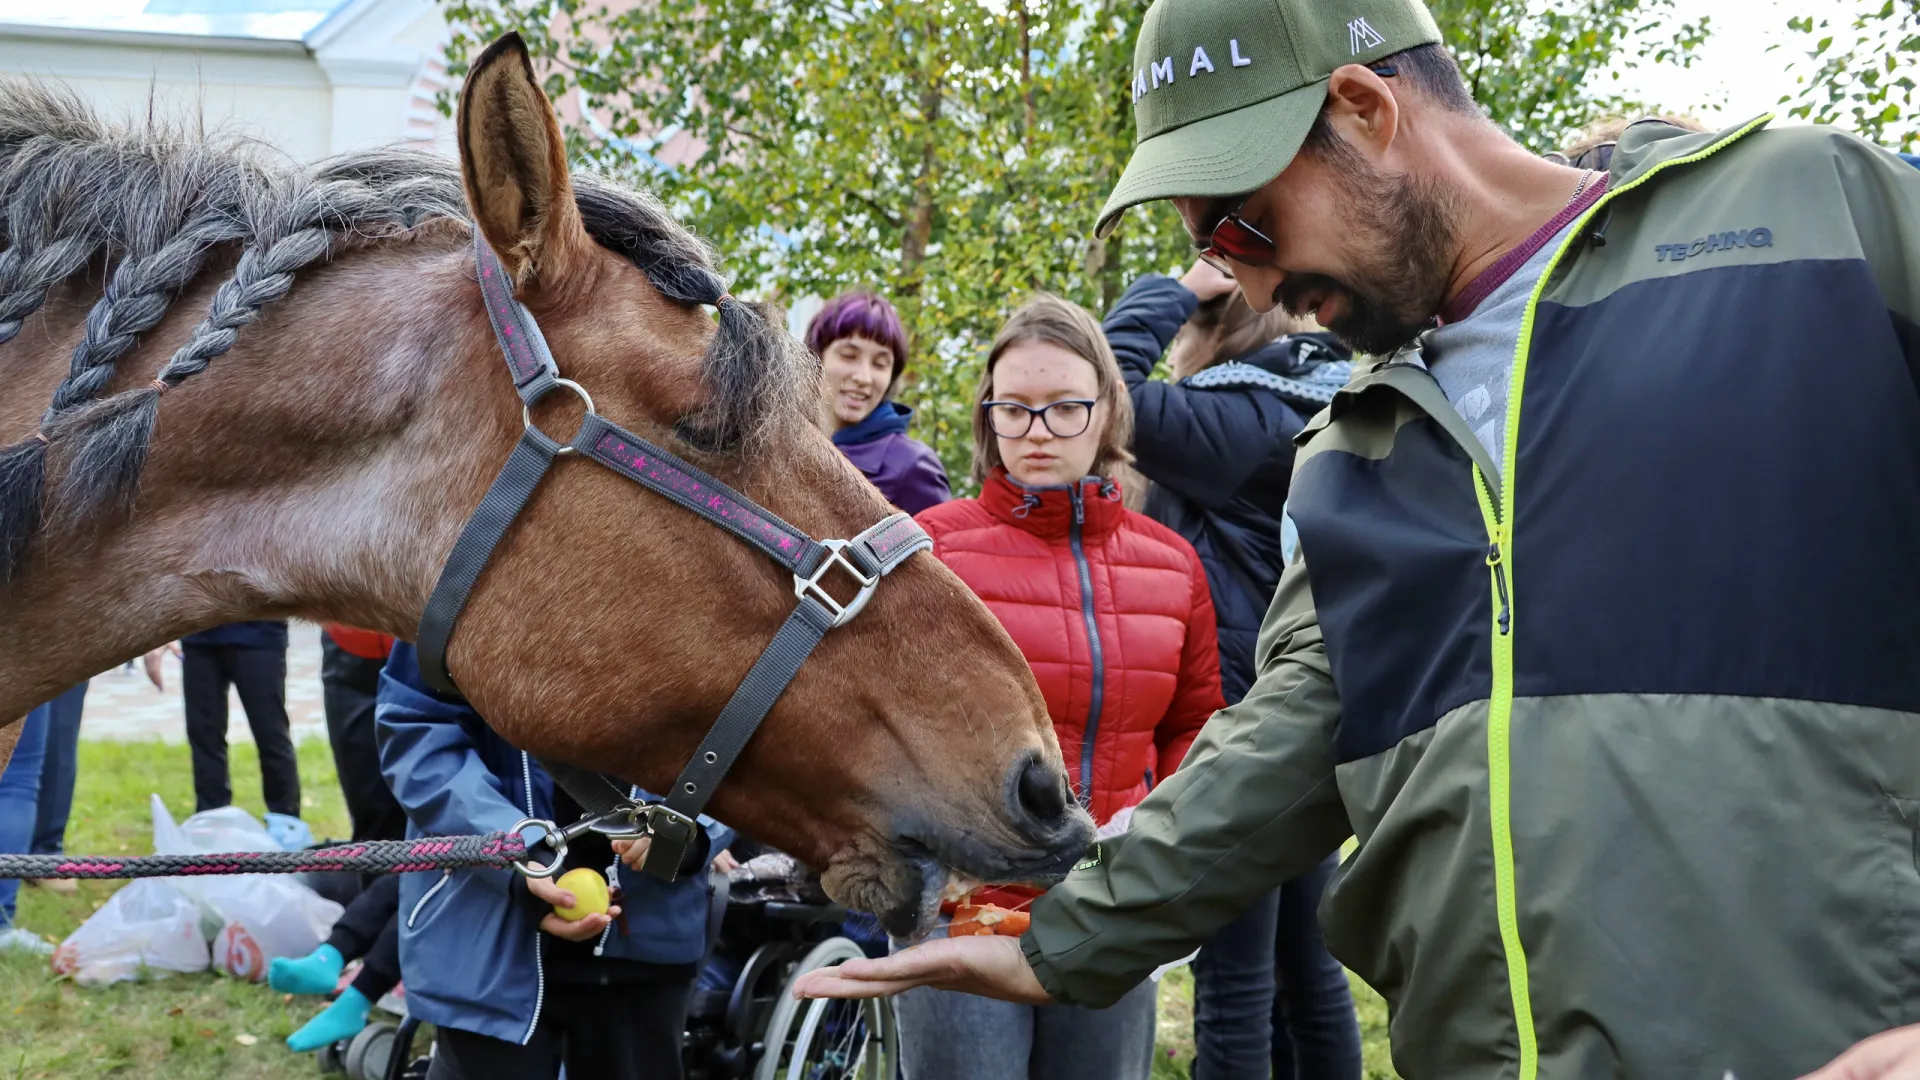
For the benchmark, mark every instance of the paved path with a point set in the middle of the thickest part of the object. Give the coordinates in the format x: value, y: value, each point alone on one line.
x: 122, y: 704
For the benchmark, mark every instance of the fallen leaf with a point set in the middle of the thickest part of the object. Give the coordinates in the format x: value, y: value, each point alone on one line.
x: 286, y: 997
x: 175, y: 1011
x: 206, y: 1033
x: 246, y: 1040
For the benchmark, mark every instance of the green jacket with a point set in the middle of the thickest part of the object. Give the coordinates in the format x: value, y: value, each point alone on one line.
x: 1628, y: 725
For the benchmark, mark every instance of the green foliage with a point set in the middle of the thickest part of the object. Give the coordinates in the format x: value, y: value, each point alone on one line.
x: 951, y: 154
x: 1859, y: 72
x: 1543, y: 69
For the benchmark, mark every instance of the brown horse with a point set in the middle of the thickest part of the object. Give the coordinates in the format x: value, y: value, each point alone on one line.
x: 320, y: 462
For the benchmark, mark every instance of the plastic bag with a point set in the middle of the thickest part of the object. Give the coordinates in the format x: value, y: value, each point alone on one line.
x: 149, y: 924
x: 251, y: 918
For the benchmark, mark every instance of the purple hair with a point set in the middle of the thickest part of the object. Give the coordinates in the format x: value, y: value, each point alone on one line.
x: 862, y: 315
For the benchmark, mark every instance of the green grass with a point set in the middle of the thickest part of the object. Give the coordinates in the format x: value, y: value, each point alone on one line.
x: 180, y: 1027
x: 185, y: 1027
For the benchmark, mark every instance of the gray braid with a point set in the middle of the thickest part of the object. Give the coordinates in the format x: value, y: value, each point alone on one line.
x: 137, y: 298
x: 322, y: 220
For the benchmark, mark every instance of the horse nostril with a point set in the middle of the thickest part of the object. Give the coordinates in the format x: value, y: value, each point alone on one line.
x: 1042, y: 793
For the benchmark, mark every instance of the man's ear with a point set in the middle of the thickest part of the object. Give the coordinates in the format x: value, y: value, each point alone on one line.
x: 1362, y: 108
x: 513, y: 164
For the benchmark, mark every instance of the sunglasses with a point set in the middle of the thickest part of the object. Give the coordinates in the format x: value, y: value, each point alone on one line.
x: 1598, y: 157
x: 1232, y: 240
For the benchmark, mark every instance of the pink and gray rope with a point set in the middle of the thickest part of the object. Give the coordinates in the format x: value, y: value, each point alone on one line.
x: 500, y: 850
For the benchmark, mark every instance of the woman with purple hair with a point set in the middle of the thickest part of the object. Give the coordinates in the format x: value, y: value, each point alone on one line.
x: 862, y: 351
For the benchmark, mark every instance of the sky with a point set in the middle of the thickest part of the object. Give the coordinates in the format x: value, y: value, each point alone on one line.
x: 1736, y: 77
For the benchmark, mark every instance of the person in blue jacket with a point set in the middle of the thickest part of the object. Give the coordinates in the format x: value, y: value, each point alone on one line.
x: 512, y: 989
x: 1216, y: 443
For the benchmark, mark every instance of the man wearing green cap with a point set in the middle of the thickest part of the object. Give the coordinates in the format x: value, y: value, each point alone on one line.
x: 1604, y: 633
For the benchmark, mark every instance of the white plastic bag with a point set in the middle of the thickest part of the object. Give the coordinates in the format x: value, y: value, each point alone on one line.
x: 149, y: 924
x: 251, y: 918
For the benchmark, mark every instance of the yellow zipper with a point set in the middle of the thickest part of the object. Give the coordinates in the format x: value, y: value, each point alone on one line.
x: 1499, y: 565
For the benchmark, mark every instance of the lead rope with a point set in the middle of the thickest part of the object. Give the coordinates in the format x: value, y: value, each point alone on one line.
x: 498, y: 851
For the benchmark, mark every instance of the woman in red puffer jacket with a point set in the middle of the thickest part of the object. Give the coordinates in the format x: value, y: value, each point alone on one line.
x: 1112, y: 611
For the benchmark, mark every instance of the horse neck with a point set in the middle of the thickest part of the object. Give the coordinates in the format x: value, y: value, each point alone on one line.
x: 321, y: 469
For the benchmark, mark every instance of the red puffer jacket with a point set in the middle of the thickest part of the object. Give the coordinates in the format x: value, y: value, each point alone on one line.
x: 1110, y: 607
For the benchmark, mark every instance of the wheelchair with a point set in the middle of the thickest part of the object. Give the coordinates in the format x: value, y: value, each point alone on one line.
x: 743, y: 1022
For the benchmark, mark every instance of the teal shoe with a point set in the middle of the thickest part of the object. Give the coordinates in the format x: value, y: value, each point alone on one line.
x: 318, y: 972
x: 341, y: 1020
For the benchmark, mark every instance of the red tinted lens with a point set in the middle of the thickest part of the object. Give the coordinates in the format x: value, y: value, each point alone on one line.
x: 1241, y: 242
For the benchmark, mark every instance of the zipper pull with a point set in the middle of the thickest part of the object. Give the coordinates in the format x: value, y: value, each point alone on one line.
x: 1079, y: 507
x: 1498, y: 566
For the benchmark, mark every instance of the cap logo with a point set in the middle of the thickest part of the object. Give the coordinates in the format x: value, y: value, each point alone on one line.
x: 1361, y: 36
x: 1160, y: 72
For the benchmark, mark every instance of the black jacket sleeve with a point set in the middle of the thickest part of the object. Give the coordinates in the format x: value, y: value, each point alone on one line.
x: 1202, y: 444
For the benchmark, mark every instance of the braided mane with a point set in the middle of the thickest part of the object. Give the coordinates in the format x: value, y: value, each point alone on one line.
x: 154, y: 202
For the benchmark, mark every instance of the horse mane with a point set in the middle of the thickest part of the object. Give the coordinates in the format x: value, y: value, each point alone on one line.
x: 153, y: 201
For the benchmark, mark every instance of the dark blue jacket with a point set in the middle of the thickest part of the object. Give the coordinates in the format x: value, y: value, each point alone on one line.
x: 260, y: 634
x: 1219, y: 449
x: 469, y: 939
x: 905, y: 469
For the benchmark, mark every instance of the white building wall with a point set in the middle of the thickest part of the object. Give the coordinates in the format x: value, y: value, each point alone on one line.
x: 366, y: 76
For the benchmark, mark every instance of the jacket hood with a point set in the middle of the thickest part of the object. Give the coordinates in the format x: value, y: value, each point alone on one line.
x: 887, y: 418
x: 1048, y: 512
x: 1304, y: 369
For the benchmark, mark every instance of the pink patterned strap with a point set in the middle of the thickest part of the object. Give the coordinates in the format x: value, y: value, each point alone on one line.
x: 648, y: 465
x: 520, y: 338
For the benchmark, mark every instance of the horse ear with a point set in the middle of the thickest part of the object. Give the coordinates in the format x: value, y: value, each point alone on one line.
x: 513, y: 163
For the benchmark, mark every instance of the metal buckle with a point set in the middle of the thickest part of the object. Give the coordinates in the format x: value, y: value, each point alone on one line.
x: 554, y: 838
x: 526, y: 411
x: 809, y: 585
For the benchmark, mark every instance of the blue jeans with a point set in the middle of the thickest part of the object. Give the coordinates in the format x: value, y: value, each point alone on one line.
x: 57, y: 774
x: 19, y: 799
x: 1267, y: 995
x: 949, y: 1036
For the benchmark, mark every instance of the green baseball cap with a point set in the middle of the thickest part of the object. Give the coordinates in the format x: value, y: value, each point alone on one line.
x: 1225, y: 91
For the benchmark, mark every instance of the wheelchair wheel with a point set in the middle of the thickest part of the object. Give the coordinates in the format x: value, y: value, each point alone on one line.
x: 829, y: 1040
x: 370, y: 1051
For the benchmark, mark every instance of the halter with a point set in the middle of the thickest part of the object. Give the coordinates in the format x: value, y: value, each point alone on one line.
x: 866, y: 558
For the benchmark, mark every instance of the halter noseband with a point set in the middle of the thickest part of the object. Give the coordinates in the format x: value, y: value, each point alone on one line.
x: 866, y: 558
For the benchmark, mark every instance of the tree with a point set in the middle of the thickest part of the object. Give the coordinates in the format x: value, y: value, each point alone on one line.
x: 950, y: 153
x: 1859, y: 72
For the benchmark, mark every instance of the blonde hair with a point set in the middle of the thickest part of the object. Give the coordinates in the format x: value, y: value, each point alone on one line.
x: 1609, y: 129
x: 1048, y: 319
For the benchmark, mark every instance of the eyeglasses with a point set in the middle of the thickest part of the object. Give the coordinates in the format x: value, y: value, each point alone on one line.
x: 1066, y: 418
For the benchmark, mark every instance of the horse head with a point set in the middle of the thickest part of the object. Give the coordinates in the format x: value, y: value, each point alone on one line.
x: 322, y: 461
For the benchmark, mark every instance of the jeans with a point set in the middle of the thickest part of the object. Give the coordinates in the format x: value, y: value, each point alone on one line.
x: 260, y: 675
x: 1267, y: 995
x: 19, y: 799
x: 348, y: 686
x: 949, y: 1036
x: 57, y: 774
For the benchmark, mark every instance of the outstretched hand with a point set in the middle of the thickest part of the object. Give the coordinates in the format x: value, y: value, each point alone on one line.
x: 989, y: 966
x: 1890, y: 1055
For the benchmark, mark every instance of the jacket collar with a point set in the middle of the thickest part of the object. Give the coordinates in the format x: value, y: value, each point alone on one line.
x: 1048, y: 512
x: 887, y: 418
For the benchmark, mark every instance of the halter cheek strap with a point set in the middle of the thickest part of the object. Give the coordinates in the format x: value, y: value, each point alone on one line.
x: 671, y: 823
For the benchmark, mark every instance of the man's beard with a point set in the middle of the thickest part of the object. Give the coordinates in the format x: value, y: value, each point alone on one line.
x: 1402, y: 237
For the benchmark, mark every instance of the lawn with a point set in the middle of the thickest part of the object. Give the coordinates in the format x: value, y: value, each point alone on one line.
x: 201, y: 1027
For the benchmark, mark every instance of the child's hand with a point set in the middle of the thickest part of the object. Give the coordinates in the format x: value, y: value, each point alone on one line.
x: 633, y: 852
x: 543, y: 889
